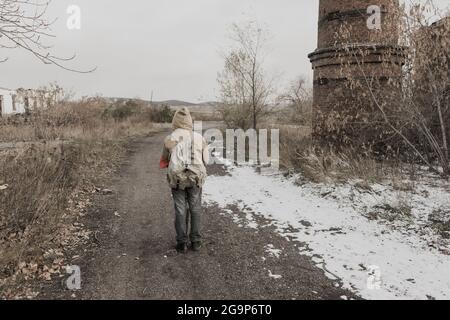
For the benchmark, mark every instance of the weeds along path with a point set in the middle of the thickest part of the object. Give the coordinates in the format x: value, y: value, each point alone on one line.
x: 132, y: 257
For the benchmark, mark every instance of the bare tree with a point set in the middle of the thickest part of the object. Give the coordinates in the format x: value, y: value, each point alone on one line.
x: 24, y: 25
x: 53, y: 95
x: 299, y: 99
x: 419, y: 117
x: 244, y: 86
x: 429, y: 78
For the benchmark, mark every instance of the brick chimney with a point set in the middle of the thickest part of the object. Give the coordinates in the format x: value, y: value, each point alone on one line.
x: 349, y: 49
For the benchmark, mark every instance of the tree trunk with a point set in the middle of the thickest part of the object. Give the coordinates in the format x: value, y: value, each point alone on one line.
x: 445, y: 164
x: 254, y: 117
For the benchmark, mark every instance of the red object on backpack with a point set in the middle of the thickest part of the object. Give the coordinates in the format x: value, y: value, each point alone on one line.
x: 163, y: 164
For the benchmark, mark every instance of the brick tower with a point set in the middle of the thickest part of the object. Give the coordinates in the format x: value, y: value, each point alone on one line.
x: 349, y: 56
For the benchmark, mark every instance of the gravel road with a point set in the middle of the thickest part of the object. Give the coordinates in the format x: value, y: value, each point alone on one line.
x: 132, y: 254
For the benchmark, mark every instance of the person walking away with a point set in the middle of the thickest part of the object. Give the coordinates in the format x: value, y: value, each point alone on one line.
x: 185, y: 154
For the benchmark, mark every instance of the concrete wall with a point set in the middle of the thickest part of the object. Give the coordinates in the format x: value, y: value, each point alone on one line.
x: 17, y: 102
x: 10, y: 102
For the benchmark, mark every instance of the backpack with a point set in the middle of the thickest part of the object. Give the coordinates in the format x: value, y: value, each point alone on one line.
x: 183, y: 171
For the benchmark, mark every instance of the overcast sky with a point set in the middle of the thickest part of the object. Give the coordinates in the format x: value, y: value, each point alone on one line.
x: 169, y: 46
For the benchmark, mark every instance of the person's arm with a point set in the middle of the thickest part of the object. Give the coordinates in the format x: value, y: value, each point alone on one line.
x: 165, y: 158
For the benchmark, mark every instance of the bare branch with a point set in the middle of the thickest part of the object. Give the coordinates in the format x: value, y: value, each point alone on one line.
x: 23, y: 25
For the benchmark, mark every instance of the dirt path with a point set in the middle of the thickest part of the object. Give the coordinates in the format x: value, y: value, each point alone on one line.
x: 132, y: 256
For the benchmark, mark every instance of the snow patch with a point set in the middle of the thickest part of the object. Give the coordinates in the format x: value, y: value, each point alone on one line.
x: 274, y: 276
x: 270, y: 249
x: 343, y: 234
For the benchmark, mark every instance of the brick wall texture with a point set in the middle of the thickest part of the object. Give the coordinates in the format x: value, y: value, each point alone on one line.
x: 350, y: 59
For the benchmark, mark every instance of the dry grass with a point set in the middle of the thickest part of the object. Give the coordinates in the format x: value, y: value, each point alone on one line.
x: 206, y: 116
x: 46, y: 159
x: 317, y: 163
x: 82, y: 120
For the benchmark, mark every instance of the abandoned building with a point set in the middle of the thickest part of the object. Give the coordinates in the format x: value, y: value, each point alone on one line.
x: 350, y: 55
x: 8, y: 102
x: 21, y: 100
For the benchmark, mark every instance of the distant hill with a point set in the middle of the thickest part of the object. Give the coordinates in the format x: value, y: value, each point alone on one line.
x: 203, y: 110
x: 175, y: 103
x: 179, y: 103
x: 209, y: 104
x: 171, y: 103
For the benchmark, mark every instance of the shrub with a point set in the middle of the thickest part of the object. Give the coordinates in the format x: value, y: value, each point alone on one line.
x: 161, y: 114
x: 46, y: 159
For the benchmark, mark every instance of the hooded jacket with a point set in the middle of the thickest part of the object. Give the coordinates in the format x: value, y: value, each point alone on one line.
x: 182, y: 126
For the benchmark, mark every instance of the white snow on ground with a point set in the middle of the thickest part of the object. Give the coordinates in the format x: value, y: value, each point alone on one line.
x: 248, y: 222
x: 404, y: 259
x: 274, y: 276
x: 270, y: 249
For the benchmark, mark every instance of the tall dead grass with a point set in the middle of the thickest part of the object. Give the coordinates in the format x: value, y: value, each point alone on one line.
x: 91, y: 118
x: 45, y: 159
x: 319, y: 163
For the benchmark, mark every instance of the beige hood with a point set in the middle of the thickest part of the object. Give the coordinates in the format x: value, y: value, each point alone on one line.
x: 182, y: 120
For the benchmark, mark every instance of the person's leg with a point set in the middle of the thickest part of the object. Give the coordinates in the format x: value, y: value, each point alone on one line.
x: 179, y: 199
x: 195, y: 206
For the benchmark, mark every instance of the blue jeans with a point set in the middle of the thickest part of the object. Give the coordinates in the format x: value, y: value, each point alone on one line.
x: 187, y: 200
